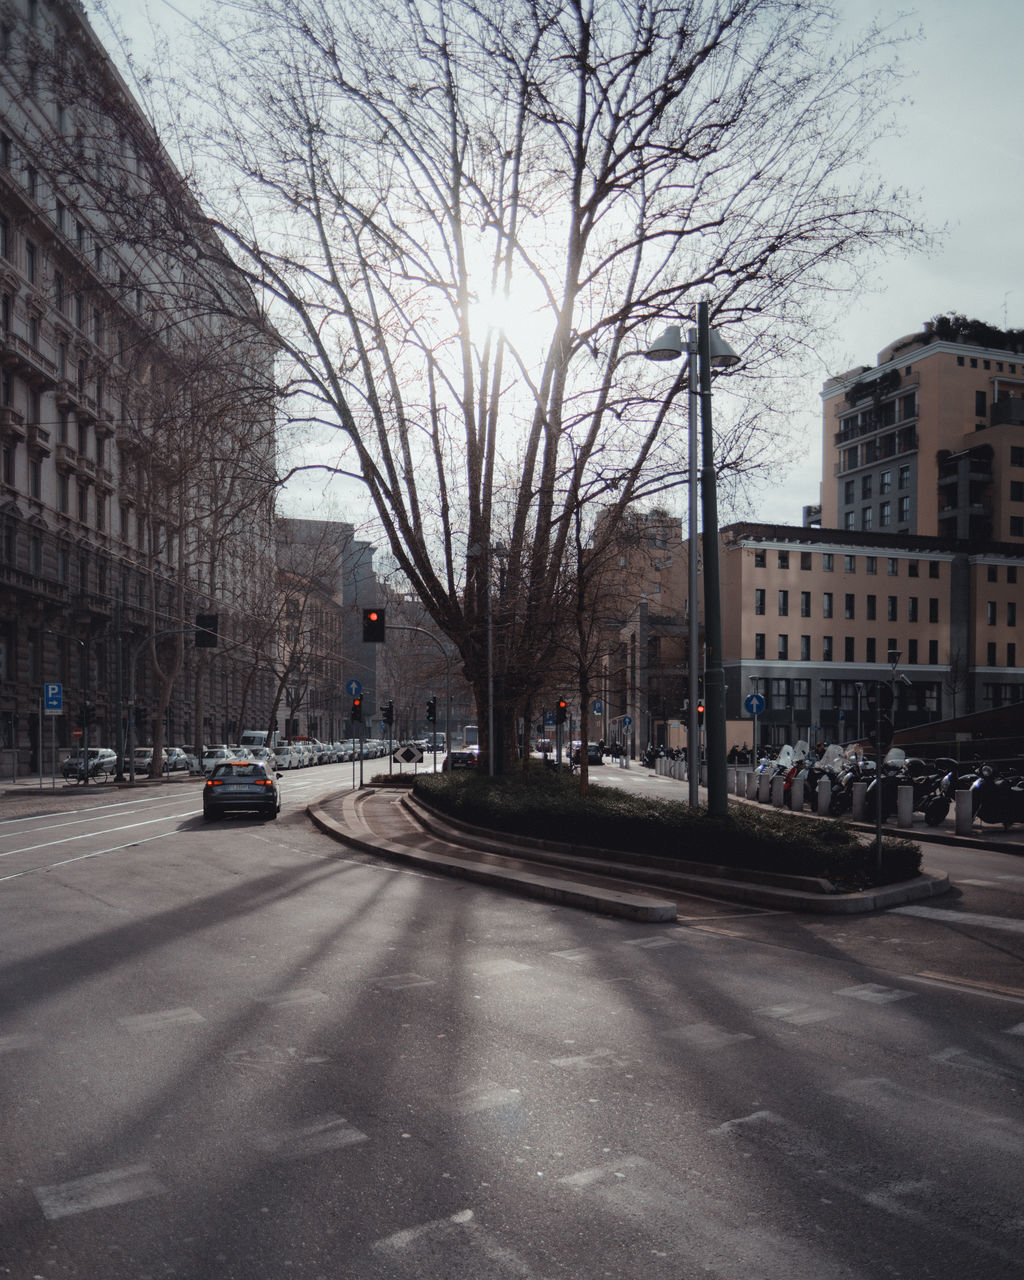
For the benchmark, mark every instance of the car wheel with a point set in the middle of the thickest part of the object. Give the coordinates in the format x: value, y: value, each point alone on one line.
x: 210, y: 815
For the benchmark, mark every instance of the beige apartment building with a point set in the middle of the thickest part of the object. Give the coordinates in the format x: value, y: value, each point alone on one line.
x: 912, y: 574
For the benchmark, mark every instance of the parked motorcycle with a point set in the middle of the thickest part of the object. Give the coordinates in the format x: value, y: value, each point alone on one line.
x: 998, y: 799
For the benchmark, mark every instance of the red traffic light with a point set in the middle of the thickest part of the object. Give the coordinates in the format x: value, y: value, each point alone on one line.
x: 374, y: 631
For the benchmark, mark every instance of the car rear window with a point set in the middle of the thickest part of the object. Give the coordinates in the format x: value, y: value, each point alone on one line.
x: 240, y: 769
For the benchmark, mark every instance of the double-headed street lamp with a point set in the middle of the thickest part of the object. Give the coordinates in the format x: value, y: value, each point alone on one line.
x: 709, y: 351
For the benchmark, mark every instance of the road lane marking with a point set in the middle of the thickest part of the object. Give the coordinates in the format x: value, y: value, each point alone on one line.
x: 971, y: 984
x: 84, y: 857
x: 91, y: 835
x: 160, y: 1019
x: 873, y: 993
x: 326, y: 1133
x: 973, y: 918
x: 99, y: 1191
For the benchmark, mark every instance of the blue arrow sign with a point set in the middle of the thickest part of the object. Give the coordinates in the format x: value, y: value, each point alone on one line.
x: 627, y: 721
x: 754, y: 704
x: 353, y: 688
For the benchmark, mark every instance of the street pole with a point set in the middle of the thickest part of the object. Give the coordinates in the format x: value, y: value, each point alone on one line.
x: 692, y: 728
x: 714, y: 672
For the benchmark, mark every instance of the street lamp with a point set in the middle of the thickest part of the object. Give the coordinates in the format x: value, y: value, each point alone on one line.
x: 707, y: 350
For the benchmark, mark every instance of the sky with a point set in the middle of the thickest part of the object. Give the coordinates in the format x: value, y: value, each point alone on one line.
x: 959, y: 152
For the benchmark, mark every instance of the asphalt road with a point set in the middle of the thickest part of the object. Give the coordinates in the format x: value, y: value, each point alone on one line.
x: 237, y: 1051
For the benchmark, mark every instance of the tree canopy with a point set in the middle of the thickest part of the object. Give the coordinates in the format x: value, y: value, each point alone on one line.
x: 466, y: 219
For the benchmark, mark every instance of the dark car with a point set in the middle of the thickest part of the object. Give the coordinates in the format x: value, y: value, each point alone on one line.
x: 594, y: 753
x: 241, y: 786
x: 464, y: 758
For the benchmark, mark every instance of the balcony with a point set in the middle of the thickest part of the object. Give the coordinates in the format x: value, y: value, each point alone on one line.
x: 29, y: 362
x: 67, y: 459
x: 12, y: 424
x: 39, y: 440
x: 1005, y: 412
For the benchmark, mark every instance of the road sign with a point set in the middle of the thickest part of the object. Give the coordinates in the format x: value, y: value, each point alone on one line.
x: 627, y: 721
x: 754, y: 704
x: 598, y: 707
x: 408, y: 755
x: 76, y: 733
x: 353, y: 688
x: 53, y: 699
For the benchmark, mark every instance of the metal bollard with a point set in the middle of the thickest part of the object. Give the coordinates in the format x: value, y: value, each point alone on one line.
x: 741, y: 782
x: 964, y: 810
x: 763, y: 788
x: 905, y: 806
x: 778, y: 790
x: 824, y: 795
x: 751, y: 786
x: 860, y: 801
x: 796, y: 795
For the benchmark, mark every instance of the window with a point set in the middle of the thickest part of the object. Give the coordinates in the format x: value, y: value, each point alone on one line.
x: 893, y: 566
x: 903, y: 476
x: 849, y: 492
x: 869, y: 655
x: 990, y: 657
x: 5, y: 239
x: 83, y: 502
x: 35, y: 557
x: 912, y: 609
x: 783, y: 559
x: 805, y: 604
x: 1017, y: 526
x: 759, y: 559
x: 892, y: 609
x: 1017, y: 490
x: 850, y: 605
x: 1011, y: 655
x: 1017, y: 455
x: 933, y: 568
x: 801, y: 695
x: 872, y: 606
x: 826, y: 605
x: 31, y: 256
x: 933, y: 653
x: 35, y: 479
x: 1011, y: 613
x: 912, y: 652
x: 867, y: 517
x: 885, y: 482
x: 805, y: 560
x: 850, y: 564
x: 63, y: 499
x: 903, y: 510
x: 980, y: 406
x: 805, y: 648
x: 759, y: 644
x: 783, y: 604
x: 826, y: 562
x: 850, y: 521
x: 990, y: 613
x: 826, y: 648
x: 783, y: 648
x: 912, y: 568
x: 1011, y: 573
x: 884, y: 514
x: 848, y: 654
x: 870, y: 564
x: 759, y: 599
x: 933, y: 609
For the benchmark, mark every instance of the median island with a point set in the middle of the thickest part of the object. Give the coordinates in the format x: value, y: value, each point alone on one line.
x: 548, y: 806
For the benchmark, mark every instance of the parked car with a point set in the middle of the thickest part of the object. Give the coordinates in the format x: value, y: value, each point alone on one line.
x: 594, y: 754
x: 212, y: 756
x: 177, y: 760
x: 544, y: 745
x: 102, y: 760
x: 192, y: 761
x: 464, y: 758
x: 241, y: 786
x: 264, y: 756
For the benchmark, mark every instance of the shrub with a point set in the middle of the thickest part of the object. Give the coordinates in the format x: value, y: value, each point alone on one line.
x: 547, y: 805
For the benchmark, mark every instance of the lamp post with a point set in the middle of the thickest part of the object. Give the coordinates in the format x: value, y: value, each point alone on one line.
x: 707, y: 350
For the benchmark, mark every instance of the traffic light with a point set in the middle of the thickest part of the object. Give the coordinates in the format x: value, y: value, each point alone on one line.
x: 563, y: 711
x: 389, y: 713
x: 432, y: 711
x: 357, y: 709
x: 206, y: 630
x: 700, y: 712
x: 373, y: 626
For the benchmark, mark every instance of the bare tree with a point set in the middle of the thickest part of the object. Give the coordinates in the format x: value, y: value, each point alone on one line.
x: 466, y: 216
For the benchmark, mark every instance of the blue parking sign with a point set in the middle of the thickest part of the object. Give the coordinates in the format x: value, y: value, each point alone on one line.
x: 53, y: 697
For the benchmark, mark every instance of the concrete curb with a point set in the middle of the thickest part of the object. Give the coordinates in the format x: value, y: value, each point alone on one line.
x: 356, y: 834
x: 518, y: 878
x: 799, y: 893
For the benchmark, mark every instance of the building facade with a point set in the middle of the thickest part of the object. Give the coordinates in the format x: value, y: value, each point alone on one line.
x: 136, y: 432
